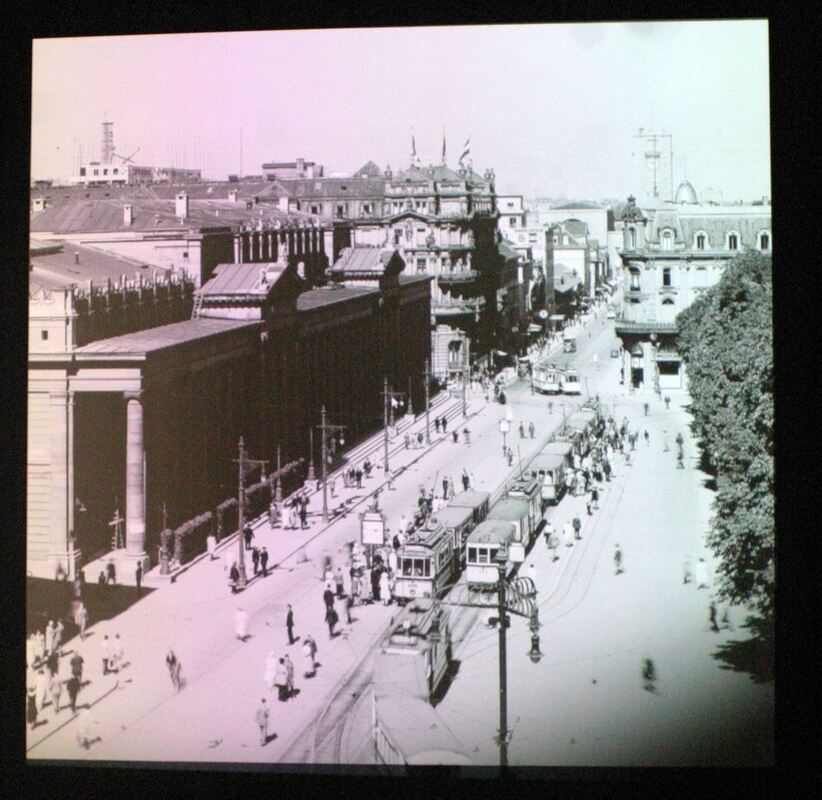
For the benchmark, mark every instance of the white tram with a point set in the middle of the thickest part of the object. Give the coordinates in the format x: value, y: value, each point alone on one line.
x: 424, y: 563
x: 549, y: 469
x: 580, y: 427
x: 481, y: 550
x: 557, y: 374
x: 458, y: 522
x: 475, y: 500
x: 546, y: 377
x: 517, y: 511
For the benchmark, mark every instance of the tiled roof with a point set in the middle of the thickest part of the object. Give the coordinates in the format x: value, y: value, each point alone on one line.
x: 368, y: 170
x: 506, y: 251
x: 363, y: 259
x: 159, y: 338
x: 327, y: 295
x: 319, y: 188
x: 95, y: 265
x: 242, y: 279
x: 575, y: 227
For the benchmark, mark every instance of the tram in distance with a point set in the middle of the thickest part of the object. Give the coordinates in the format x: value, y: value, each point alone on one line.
x: 481, y: 572
x: 557, y: 374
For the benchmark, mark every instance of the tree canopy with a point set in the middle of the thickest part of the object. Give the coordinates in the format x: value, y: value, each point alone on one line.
x: 726, y: 341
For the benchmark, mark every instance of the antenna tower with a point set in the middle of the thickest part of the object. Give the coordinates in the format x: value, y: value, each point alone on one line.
x: 108, y: 142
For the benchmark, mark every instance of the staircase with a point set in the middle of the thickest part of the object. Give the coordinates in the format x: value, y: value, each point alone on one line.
x: 198, y: 304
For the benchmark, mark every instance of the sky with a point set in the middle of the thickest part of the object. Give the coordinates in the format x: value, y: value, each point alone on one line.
x: 553, y: 109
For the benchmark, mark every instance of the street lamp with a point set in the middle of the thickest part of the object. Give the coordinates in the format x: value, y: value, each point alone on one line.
x: 389, y: 400
x: 325, y: 428
x: 244, y: 464
x: 504, y: 427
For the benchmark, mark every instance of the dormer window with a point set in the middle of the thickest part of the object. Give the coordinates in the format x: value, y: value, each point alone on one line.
x: 733, y: 241
x: 631, y: 238
x: 764, y: 241
x: 700, y: 242
x: 666, y: 241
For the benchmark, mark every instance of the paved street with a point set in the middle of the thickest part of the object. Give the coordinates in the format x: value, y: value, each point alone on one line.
x: 596, y: 626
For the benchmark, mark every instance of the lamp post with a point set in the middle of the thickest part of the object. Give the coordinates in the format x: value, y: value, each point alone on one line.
x: 427, y: 402
x: 465, y: 368
x: 503, y: 622
x: 326, y: 428
x: 244, y: 464
x: 278, y: 489
x: 312, y: 476
x: 389, y: 398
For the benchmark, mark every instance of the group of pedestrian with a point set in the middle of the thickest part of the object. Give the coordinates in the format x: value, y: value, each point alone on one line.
x: 112, y: 653
x: 279, y: 673
x: 441, y: 424
x: 297, y: 510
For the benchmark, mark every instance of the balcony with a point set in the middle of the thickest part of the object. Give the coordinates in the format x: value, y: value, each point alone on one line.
x: 458, y: 276
x: 443, y: 308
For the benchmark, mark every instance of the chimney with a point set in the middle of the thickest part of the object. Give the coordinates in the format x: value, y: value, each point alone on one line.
x: 39, y: 204
x: 181, y: 205
x: 128, y: 214
x: 301, y: 167
x: 76, y: 257
x: 233, y: 194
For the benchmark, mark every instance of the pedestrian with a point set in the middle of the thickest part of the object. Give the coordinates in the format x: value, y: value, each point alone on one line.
x: 521, y: 430
x: 41, y: 688
x: 55, y: 690
x: 589, y: 502
x: 606, y: 468
x: 248, y: 536
x: 52, y: 662
x: 328, y: 598
x: 255, y: 558
x: 349, y: 603
x: 617, y: 561
x: 338, y: 582
x: 273, y: 514
x: 444, y: 423
x: 712, y: 616
x: 407, y: 438
x: 73, y: 689
x: 101, y: 578
x: 289, y: 671
x: 241, y: 624
x: 395, y: 542
x: 367, y: 468
x: 466, y: 480
x: 261, y: 717
x: 365, y: 588
x: 49, y: 636
x: 111, y: 572
x: 531, y: 430
x: 292, y: 514
x: 385, y: 592
x: 333, y: 486
x: 420, y: 439
x: 138, y: 577
x: 264, y: 561
x: 647, y: 438
x: 455, y: 436
x: 105, y: 651
x: 270, y: 669
x: 687, y: 576
x: 281, y: 680
x: 174, y: 666
x: 648, y: 675
x: 234, y: 577
x: 355, y: 587
x: 701, y: 574
x: 437, y: 424
x: 646, y: 409
x: 289, y: 623
x: 550, y: 407
x: 594, y: 497
x: 667, y: 402
x: 309, y: 655
x: 577, y: 526
x: 548, y: 532
x: 31, y: 707
x: 358, y: 474
x: 76, y: 664
x: 510, y: 455
x: 304, y: 511
x: 568, y: 534
x: 118, y: 652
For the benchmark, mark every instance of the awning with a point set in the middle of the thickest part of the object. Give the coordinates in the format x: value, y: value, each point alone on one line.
x: 534, y: 328
x: 557, y: 317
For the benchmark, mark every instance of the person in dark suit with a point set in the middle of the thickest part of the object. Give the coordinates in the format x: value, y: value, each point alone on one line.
x: 289, y: 624
x: 138, y: 577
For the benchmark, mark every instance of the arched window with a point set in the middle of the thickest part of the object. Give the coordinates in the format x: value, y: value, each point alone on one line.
x: 764, y: 240
x: 668, y: 301
x: 701, y: 240
x: 733, y: 241
x: 635, y: 280
x: 667, y: 239
x: 631, y: 238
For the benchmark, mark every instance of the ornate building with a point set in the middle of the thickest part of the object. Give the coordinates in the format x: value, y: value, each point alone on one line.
x: 670, y: 255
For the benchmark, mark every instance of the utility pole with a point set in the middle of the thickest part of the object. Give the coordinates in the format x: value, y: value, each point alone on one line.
x: 389, y: 397
x: 278, y: 489
x: 325, y: 428
x: 427, y: 402
x: 311, y: 473
x: 503, y: 623
x: 465, y: 368
x: 244, y: 464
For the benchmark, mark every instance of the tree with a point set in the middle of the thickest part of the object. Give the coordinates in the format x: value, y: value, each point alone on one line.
x: 726, y: 341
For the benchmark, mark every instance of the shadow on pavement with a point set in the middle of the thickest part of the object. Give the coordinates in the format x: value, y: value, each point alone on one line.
x: 754, y: 655
x: 47, y: 599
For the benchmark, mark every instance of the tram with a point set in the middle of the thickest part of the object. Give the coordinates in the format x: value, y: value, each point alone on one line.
x: 569, y: 342
x: 557, y: 374
x: 481, y: 551
x: 527, y: 487
x: 475, y: 500
x: 425, y: 563
x: 547, y: 377
x: 580, y: 426
x: 517, y: 511
x: 549, y: 469
x: 458, y: 522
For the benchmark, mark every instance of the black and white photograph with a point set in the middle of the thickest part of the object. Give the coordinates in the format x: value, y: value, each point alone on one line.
x: 401, y: 396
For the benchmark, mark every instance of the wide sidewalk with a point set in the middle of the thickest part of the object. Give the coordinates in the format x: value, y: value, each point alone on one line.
x: 138, y: 715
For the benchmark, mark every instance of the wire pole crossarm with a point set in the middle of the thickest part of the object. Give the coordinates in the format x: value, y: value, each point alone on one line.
x: 244, y: 465
x: 326, y: 428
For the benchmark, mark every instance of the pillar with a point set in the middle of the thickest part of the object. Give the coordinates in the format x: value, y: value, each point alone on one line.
x: 62, y: 480
x: 135, y: 501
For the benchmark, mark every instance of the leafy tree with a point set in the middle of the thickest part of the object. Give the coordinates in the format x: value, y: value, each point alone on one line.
x: 726, y: 340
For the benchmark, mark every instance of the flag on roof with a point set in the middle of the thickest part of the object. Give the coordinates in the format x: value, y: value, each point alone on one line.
x: 466, y: 149
x: 413, y: 147
x: 443, y: 146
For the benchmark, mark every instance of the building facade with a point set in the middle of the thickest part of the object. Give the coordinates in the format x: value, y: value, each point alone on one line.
x: 669, y: 256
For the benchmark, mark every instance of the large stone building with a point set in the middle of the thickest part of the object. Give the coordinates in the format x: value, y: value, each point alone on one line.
x: 134, y: 406
x: 669, y: 255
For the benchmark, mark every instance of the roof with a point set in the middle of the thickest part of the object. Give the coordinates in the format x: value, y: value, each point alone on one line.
x: 471, y: 498
x: 164, y: 336
x: 243, y: 279
x: 368, y: 170
x: 327, y: 295
x: 570, y: 206
x: 318, y: 188
x: 558, y: 447
x: 277, y: 164
x: 454, y: 515
x: 363, y: 259
x: 547, y: 461
x: 507, y: 252
x: 492, y: 530
x: 55, y: 266
x: 509, y: 509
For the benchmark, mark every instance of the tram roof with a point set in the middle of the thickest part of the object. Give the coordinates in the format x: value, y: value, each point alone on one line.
x: 563, y: 448
x: 454, y: 515
x: 492, y: 531
x: 427, y: 536
x: 510, y: 508
x: 560, y: 361
x: 470, y: 498
x: 548, y: 461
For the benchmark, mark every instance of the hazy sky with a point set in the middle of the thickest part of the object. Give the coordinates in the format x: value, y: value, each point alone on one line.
x: 551, y: 108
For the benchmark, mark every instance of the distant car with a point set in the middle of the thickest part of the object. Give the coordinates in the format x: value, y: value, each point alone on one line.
x: 614, y: 353
x: 611, y: 314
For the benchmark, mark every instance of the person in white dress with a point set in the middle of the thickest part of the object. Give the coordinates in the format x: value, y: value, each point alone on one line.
x: 568, y: 534
x: 702, y: 581
x: 241, y: 624
x: 271, y: 662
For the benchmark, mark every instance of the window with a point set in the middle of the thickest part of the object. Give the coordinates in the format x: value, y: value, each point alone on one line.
x: 667, y: 240
x: 421, y: 265
x: 668, y: 301
x: 341, y: 209
x: 315, y: 209
x: 366, y: 209
x: 97, y: 172
x: 44, y: 335
x: 82, y: 171
x: 733, y: 241
x: 631, y: 238
x: 634, y: 280
x: 406, y: 566
x: 512, y: 222
x: 700, y: 241
x: 115, y: 171
x: 472, y: 555
x: 764, y: 241
x: 482, y: 555
x: 105, y: 171
x: 666, y: 276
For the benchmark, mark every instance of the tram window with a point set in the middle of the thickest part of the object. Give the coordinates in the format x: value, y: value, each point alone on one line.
x: 418, y: 562
x: 427, y: 567
x: 406, y: 566
x: 472, y: 555
x: 482, y: 553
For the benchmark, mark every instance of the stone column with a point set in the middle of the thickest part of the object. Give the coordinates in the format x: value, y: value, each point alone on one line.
x: 135, y: 502
x: 60, y: 480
